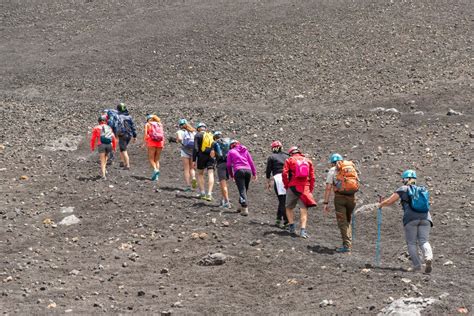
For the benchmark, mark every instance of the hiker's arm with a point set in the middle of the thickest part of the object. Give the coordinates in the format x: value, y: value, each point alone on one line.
x: 285, y: 174
x: 392, y: 199
x: 93, y: 138
x: 145, y: 133
x: 134, y: 130
x: 312, y: 178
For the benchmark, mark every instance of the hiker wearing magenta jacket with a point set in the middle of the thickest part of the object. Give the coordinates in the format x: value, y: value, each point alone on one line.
x: 298, y: 178
x: 241, y: 168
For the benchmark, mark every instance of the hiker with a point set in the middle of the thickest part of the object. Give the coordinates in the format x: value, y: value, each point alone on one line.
x: 203, y: 159
x: 155, y: 140
x: 221, y: 147
x: 298, y: 180
x: 275, y: 164
x: 125, y: 132
x: 185, y: 137
x: 342, y: 178
x: 241, y: 168
x: 106, y: 142
x: 417, y: 220
x: 112, y: 120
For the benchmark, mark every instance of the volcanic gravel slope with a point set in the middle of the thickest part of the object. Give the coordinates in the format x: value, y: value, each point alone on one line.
x: 308, y: 73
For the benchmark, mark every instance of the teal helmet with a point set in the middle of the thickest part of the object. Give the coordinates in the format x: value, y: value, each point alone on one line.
x: 407, y: 174
x: 335, y: 158
x: 149, y: 116
x: 121, y: 107
x: 182, y: 122
x: 217, y: 133
x: 201, y: 124
x: 102, y: 118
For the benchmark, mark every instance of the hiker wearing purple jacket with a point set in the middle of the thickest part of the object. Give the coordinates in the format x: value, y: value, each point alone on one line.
x: 241, y: 168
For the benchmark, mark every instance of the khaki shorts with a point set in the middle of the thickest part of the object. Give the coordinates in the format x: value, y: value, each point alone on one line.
x: 292, y: 200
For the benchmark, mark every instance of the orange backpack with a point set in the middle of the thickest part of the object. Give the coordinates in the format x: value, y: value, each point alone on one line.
x: 347, y: 180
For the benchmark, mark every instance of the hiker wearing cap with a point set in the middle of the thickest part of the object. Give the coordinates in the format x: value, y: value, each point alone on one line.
x: 103, y: 135
x: 185, y: 136
x: 275, y: 163
x: 298, y: 179
x: 221, y: 147
x: 417, y: 220
x: 125, y: 132
x: 241, y: 168
x: 155, y: 140
x: 343, y: 179
x: 203, y: 159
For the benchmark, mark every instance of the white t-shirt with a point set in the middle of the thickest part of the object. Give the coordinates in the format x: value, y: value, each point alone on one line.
x: 331, y: 177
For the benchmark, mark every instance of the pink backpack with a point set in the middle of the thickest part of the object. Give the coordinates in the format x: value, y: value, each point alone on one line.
x: 302, y: 168
x: 155, y: 132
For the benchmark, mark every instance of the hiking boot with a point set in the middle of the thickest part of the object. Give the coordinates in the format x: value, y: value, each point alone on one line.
x: 429, y: 266
x: 304, y: 233
x: 343, y: 249
x: 291, y: 228
x: 126, y: 168
x: 121, y: 164
x: 194, y: 184
x: 155, y: 175
x: 278, y: 223
x: 285, y: 225
x: 245, y: 211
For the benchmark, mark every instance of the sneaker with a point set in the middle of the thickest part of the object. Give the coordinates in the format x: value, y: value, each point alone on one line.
x: 126, y: 168
x: 291, y: 228
x: 121, y: 164
x: 245, y: 211
x: 285, y: 225
x: 278, y: 223
x: 414, y: 269
x: 226, y: 205
x: 155, y: 175
x: 202, y: 196
x: 187, y: 189
x: 207, y: 197
x: 343, y: 249
x: 303, y: 233
x: 429, y: 266
x: 194, y: 184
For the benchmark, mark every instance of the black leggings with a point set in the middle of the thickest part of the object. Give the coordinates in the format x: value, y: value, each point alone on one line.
x: 281, y: 212
x: 242, y: 179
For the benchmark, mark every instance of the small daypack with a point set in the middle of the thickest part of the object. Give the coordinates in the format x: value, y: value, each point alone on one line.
x: 113, y: 119
x: 207, y: 141
x: 302, y: 168
x: 155, y: 131
x: 124, y: 126
x: 106, y: 134
x: 347, y: 179
x: 188, y: 140
x: 419, y: 198
x: 224, y: 144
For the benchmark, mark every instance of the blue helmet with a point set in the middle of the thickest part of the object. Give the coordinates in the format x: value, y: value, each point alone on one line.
x: 335, y: 158
x: 217, y: 133
x: 201, y: 124
x: 409, y: 174
x: 182, y: 122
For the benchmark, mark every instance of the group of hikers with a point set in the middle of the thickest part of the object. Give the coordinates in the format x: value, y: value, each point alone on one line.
x: 290, y: 174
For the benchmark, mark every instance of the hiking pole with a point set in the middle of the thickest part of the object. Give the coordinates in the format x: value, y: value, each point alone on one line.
x: 379, y: 234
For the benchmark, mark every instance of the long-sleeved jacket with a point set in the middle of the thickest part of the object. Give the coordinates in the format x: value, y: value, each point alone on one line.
x: 96, y: 136
x: 275, y: 163
x: 125, y: 117
x: 239, y: 158
x: 289, y: 169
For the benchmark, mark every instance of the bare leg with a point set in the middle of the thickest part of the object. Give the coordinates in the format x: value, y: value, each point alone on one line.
x: 303, y: 217
x: 151, y: 157
x: 125, y: 159
x: 103, y: 163
x: 157, y: 157
x: 210, y: 181
x: 192, y: 172
x: 224, y: 190
x: 187, y: 172
x: 200, y: 179
x: 290, y: 214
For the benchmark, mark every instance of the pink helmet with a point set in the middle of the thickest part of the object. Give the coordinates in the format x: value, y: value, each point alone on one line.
x: 294, y: 150
x: 276, y: 144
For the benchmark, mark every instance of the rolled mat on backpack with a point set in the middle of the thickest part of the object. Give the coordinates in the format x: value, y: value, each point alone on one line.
x: 305, y: 195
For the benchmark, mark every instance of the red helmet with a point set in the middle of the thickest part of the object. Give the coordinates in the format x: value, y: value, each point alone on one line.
x: 294, y: 150
x: 276, y: 144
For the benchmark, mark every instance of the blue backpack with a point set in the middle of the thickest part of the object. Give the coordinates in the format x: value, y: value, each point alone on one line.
x: 419, y: 199
x: 113, y: 120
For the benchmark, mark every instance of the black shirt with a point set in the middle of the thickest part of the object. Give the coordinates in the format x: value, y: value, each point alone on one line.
x: 275, y: 163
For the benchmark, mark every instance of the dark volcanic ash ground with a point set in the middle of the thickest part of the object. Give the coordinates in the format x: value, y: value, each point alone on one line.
x: 318, y: 74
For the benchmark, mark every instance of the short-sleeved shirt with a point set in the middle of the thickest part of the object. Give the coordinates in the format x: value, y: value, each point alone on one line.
x: 331, y: 177
x: 408, y: 213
